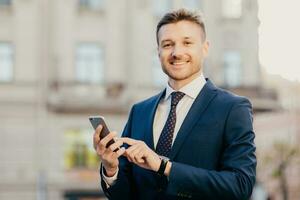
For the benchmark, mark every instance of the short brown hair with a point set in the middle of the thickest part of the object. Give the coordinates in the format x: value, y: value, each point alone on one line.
x: 180, y: 15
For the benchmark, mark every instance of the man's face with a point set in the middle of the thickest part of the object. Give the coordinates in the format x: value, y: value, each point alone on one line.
x: 181, y: 50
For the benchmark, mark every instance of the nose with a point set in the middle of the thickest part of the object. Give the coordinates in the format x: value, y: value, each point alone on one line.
x: 177, y: 51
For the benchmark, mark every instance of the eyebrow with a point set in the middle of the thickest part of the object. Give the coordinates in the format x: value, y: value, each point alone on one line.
x: 189, y: 38
x: 167, y: 40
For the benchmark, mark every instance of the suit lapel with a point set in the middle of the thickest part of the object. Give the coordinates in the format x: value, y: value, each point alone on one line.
x: 200, y: 104
x: 150, y: 119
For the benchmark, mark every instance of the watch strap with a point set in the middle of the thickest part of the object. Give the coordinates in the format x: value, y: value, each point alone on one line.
x: 162, y: 166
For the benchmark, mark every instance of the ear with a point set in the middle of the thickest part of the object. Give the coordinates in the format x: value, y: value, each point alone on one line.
x: 158, y: 51
x: 205, y: 47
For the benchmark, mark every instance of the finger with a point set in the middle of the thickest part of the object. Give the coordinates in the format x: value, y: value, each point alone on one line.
x: 108, y: 155
x: 129, y: 153
x: 140, y: 156
x: 119, y: 153
x: 103, y: 151
x: 129, y: 140
x: 99, y: 129
x: 137, y: 154
x: 116, y: 145
x: 128, y: 156
x: 131, y: 148
x: 96, y: 136
x: 103, y: 142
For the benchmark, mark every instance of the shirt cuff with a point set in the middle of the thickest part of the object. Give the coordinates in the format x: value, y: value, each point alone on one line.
x: 109, y: 181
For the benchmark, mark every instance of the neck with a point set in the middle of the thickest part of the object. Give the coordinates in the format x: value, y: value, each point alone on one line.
x: 178, y: 84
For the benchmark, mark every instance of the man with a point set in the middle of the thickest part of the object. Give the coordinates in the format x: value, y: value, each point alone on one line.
x: 192, y: 140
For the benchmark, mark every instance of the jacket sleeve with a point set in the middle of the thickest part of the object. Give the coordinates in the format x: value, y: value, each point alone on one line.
x: 123, y: 187
x: 236, y: 177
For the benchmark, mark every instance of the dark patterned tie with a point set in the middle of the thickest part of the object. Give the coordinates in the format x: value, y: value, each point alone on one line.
x: 164, y: 144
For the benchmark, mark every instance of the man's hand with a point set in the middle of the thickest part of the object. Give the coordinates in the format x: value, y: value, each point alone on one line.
x: 140, y: 154
x: 108, y: 157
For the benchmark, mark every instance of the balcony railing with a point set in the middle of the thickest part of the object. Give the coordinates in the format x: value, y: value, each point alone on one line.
x: 84, y: 97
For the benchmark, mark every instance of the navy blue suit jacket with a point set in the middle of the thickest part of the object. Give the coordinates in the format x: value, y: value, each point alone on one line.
x: 213, y: 155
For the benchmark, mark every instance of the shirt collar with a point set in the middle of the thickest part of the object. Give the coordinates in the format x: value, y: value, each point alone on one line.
x: 192, y: 89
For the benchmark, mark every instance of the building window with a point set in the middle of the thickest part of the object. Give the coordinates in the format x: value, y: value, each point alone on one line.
x: 5, y: 2
x: 191, y: 4
x: 159, y: 78
x: 89, y: 63
x: 92, y: 4
x: 78, y: 150
x: 6, y: 61
x: 232, y: 8
x: 232, y: 68
x: 161, y: 7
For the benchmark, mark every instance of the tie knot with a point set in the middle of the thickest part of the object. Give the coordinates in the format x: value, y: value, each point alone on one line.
x: 176, y: 97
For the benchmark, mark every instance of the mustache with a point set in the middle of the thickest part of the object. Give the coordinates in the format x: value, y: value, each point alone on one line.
x: 176, y: 58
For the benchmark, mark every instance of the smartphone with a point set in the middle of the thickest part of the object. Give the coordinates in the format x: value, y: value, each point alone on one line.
x: 96, y: 121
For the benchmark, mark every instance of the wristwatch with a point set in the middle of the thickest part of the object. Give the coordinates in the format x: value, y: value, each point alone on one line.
x: 163, y: 164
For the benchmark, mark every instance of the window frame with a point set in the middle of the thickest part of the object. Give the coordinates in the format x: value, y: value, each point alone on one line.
x: 11, y: 79
x: 88, y: 5
x: 231, y: 15
x: 101, y: 69
x: 229, y: 67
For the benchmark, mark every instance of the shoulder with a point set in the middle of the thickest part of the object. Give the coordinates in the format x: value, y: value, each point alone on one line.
x: 149, y: 102
x: 238, y: 108
x: 227, y: 98
x: 230, y: 97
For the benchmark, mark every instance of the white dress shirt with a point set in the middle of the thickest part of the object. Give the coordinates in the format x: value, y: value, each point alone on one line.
x: 191, y: 91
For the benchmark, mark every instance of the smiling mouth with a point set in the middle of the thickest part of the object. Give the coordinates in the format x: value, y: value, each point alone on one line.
x: 178, y: 63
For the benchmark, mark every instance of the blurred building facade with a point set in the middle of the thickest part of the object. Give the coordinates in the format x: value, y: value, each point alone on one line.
x: 61, y: 61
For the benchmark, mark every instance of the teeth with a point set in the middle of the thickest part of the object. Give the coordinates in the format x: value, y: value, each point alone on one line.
x: 178, y: 63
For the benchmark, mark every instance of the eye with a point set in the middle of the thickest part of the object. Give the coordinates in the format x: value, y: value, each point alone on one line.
x: 166, y: 45
x: 187, y: 43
